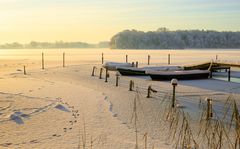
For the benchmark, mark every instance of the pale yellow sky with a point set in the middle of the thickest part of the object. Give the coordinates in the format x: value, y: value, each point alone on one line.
x: 94, y: 20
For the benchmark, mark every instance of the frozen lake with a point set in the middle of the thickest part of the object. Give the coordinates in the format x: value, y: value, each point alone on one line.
x: 187, y: 56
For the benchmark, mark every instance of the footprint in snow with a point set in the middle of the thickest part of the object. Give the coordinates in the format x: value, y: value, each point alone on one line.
x: 62, y: 108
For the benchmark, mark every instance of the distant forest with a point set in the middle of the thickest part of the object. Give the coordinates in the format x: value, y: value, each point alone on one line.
x: 49, y: 45
x: 180, y: 39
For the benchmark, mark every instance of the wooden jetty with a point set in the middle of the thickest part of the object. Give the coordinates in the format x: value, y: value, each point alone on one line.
x: 214, y: 67
x: 206, y: 65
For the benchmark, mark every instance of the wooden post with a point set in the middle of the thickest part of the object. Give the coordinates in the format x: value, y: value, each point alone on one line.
x: 24, y: 70
x: 209, y: 108
x: 131, y: 85
x: 169, y: 59
x: 117, y: 78
x: 211, y: 72
x: 229, y: 74
x: 149, y: 91
x: 91, y: 142
x: 100, y: 76
x: 145, y: 140
x: 93, y: 71
x: 132, y: 64
x: 173, y: 97
x: 102, y: 58
x: 42, y: 60
x: 174, y: 83
x: 137, y: 64
x: 63, y: 59
x: 148, y: 59
x: 216, y: 57
x: 126, y: 58
x: 106, y: 77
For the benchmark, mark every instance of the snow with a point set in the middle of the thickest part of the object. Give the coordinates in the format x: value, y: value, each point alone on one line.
x: 49, y: 108
x: 114, y: 65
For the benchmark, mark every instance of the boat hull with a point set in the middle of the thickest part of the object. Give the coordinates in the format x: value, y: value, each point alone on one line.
x: 193, y: 76
x: 133, y: 71
x: 130, y: 72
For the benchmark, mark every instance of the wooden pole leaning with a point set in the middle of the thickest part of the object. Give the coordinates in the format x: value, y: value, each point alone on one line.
x: 150, y: 90
x: 93, y: 70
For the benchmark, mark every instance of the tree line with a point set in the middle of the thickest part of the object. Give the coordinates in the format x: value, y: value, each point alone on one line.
x: 180, y: 39
x: 49, y: 45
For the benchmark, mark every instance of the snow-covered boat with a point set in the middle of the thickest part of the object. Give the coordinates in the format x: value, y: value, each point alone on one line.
x: 133, y: 71
x: 114, y: 65
x: 180, y: 75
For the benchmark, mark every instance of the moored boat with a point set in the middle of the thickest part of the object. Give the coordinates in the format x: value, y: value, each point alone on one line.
x: 133, y: 71
x: 180, y: 75
x: 128, y: 71
x: 113, y: 65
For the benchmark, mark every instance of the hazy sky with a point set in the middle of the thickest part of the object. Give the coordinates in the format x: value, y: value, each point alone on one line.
x: 98, y: 20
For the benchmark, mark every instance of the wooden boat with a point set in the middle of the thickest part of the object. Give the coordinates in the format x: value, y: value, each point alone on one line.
x: 113, y: 65
x: 180, y: 75
x: 133, y: 71
x: 127, y: 71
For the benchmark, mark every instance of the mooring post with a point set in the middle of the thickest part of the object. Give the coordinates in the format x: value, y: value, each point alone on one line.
x: 150, y: 89
x: 229, y: 74
x: 126, y: 58
x: 169, y: 59
x: 174, y: 83
x: 63, y: 59
x: 42, y: 60
x: 137, y: 64
x: 133, y: 64
x: 100, y: 75
x: 24, y: 70
x: 211, y: 73
x: 216, y: 57
x: 93, y: 70
x: 117, y: 78
x: 149, y: 59
x: 102, y: 58
x: 131, y: 85
x: 209, y: 108
x: 106, y: 76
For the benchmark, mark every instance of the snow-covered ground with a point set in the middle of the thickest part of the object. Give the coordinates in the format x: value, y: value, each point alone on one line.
x: 68, y: 108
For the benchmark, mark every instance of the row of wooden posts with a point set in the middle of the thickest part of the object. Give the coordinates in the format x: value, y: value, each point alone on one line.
x: 43, y: 63
x: 131, y: 83
x: 63, y: 64
x: 150, y: 90
x: 148, y: 61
